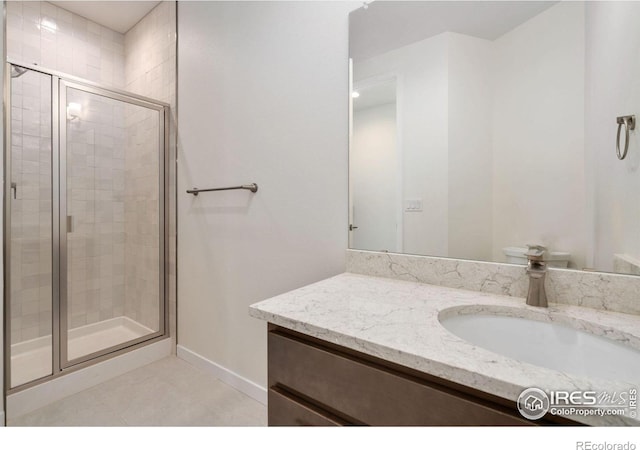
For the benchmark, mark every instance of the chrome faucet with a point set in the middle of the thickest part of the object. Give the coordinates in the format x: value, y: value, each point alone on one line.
x: 536, y: 269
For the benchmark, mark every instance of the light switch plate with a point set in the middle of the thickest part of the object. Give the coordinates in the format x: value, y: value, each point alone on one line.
x: 413, y: 205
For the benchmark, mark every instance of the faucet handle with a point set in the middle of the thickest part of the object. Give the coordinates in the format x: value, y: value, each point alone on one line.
x: 536, y: 250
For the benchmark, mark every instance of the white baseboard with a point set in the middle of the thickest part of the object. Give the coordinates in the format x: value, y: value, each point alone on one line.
x: 225, y: 375
x: 2, y: 419
x: 36, y: 397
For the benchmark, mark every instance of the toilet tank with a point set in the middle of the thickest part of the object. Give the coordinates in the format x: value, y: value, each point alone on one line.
x: 517, y: 255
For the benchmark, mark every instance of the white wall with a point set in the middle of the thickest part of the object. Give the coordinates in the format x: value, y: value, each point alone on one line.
x: 262, y: 98
x: 421, y: 71
x: 613, y: 85
x: 470, y: 153
x: 539, y: 117
x: 374, y: 177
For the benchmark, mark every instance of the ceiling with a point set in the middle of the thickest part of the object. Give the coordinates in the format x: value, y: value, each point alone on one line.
x: 117, y: 15
x: 387, y: 25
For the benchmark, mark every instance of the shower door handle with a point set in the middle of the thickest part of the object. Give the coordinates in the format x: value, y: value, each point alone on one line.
x: 69, y: 224
x: 14, y: 188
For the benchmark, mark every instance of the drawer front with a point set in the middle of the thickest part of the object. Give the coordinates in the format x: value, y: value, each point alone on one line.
x: 284, y: 410
x: 370, y: 394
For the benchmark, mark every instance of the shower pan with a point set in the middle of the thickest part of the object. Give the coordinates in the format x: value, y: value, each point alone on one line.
x: 85, y: 223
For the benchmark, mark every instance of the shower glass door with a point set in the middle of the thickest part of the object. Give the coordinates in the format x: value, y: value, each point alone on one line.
x: 111, y: 228
x: 84, y: 245
x: 29, y: 232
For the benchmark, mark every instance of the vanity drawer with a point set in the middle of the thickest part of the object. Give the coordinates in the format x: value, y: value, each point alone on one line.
x: 363, y: 392
x: 286, y: 410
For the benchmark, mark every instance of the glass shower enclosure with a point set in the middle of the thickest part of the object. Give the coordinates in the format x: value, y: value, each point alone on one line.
x: 85, y: 242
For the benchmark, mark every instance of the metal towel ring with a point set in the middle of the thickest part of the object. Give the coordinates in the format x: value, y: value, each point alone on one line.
x: 629, y: 123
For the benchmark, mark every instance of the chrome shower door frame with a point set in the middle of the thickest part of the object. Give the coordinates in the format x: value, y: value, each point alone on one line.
x: 7, y: 217
x: 59, y: 83
x: 65, y: 84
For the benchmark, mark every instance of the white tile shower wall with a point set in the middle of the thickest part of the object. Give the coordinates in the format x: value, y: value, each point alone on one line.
x: 150, y: 70
x: 43, y: 34
x: 150, y: 54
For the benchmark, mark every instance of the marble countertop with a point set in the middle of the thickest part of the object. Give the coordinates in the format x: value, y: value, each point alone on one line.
x: 398, y: 321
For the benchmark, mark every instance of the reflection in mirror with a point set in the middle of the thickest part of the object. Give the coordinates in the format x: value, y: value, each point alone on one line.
x: 375, y: 162
x: 481, y: 127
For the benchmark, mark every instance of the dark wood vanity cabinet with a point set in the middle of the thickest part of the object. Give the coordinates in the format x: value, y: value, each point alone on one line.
x: 312, y: 382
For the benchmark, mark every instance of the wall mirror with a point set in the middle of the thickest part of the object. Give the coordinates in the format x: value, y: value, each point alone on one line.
x: 480, y: 127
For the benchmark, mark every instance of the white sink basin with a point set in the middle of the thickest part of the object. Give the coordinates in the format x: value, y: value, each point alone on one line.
x: 550, y: 345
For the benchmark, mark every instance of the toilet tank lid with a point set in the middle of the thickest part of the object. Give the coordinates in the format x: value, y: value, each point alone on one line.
x: 520, y: 252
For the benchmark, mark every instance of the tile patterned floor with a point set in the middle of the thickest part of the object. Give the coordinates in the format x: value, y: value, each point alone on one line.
x: 170, y: 392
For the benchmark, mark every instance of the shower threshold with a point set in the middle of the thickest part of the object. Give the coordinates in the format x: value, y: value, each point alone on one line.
x: 31, y: 360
